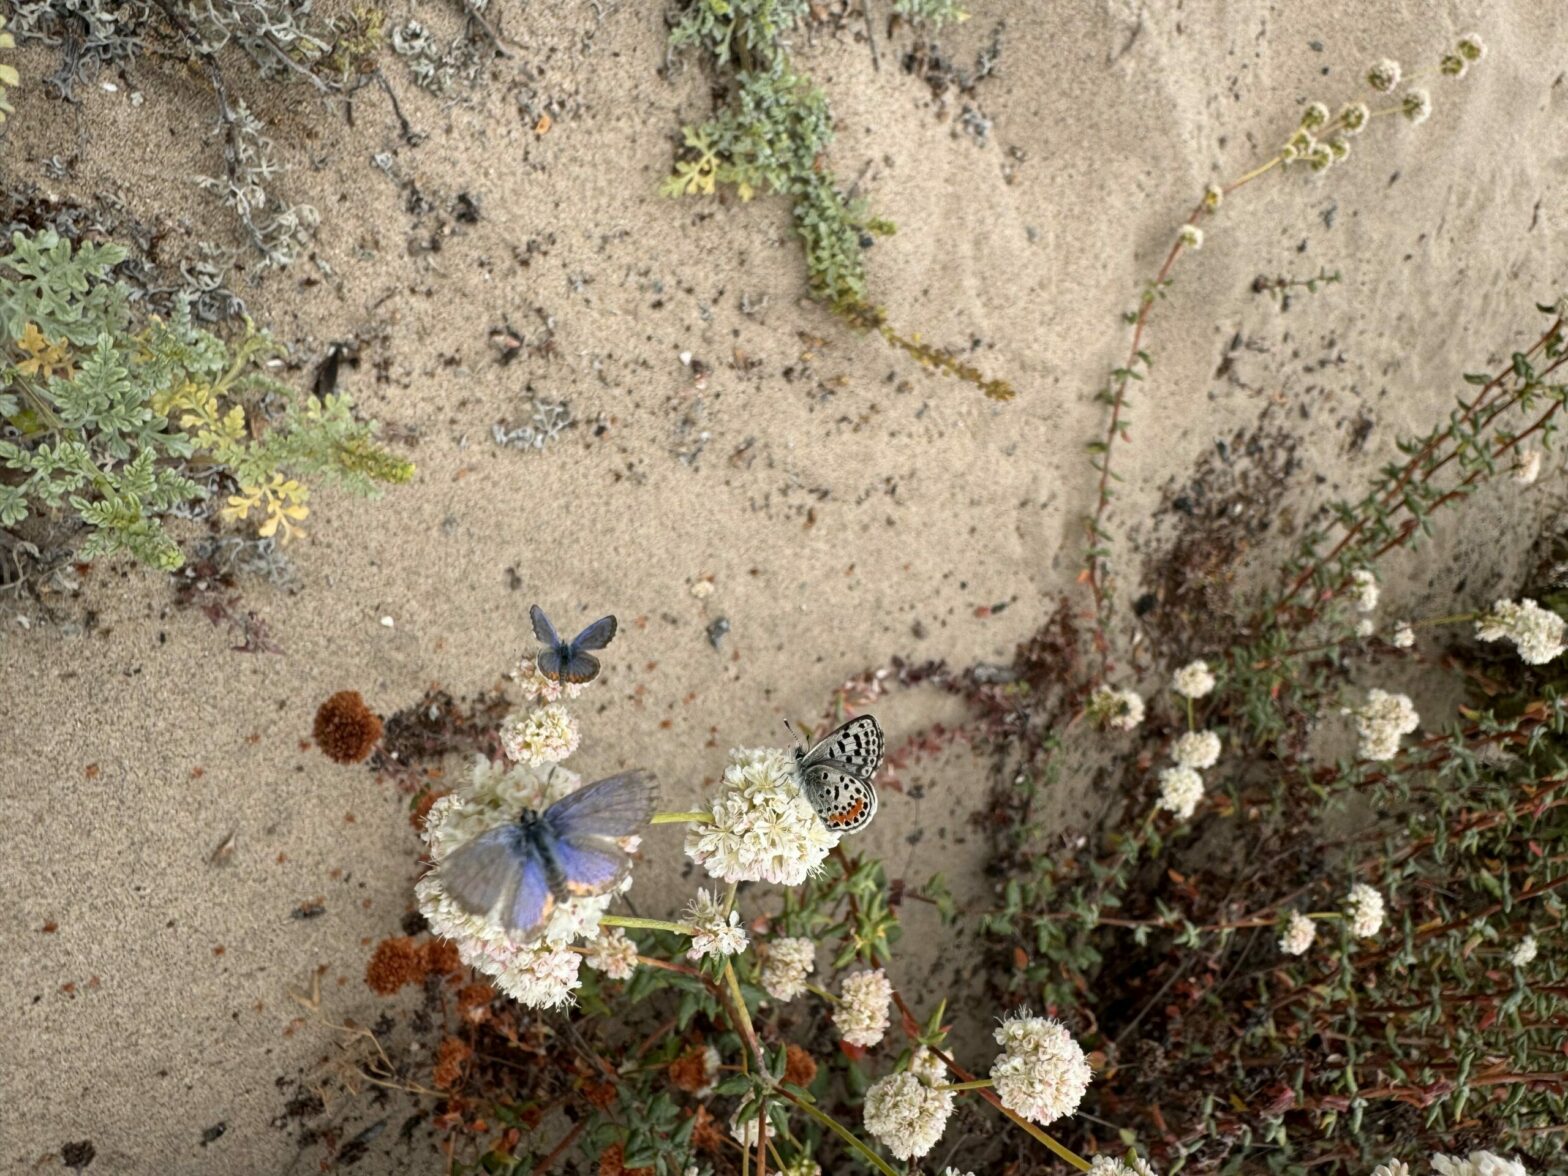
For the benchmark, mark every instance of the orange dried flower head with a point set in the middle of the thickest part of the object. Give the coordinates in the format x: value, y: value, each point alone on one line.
x: 394, y: 963
x: 441, y: 958
x: 692, y: 1071
x: 450, y: 1056
x: 705, y: 1133
x: 612, y: 1162
x: 422, y: 807
x: 473, y: 1001
x: 799, y: 1066
x: 600, y: 1094
x: 346, y: 730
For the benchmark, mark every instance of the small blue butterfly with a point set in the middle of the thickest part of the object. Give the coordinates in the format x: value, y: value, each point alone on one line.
x: 570, y: 661
x: 567, y: 851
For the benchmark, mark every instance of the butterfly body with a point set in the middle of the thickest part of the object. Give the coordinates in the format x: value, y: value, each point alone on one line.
x: 519, y: 871
x: 570, y: 661
x: 836, y: 774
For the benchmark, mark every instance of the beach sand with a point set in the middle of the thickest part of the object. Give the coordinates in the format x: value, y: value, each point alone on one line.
x: 846, y: 506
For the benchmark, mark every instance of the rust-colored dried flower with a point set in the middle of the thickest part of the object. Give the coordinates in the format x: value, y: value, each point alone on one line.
x: 441, y: 958
x: 450, y: 1056
x: 612, y: 1162
x: 346, y: 730
x: 692, y: 1071
x: 600, y: 1094
x: 799, y: 1066
x: 394, y: 963
x: 705, y: 1133
x: 473, y: 1002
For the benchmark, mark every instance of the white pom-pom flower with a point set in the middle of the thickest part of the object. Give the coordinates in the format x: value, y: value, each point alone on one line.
x: 544, y: 735
x: 1299, y: 933
x: 905, y: 1115
x: 785, y: 967
x: 1180, y: 791
x: 614, y: 953
x: 1537, y: 633
x: 762, y: 829
x: 1193, y: 680
x: 1119, y: 710
x: 1364, y: 909
x: 1381, y: 721
x: 861, y: 1014
x: 1041, y: 1073
x: 1197, y: 749
x: 717, y: 932
x: 1525, y: 952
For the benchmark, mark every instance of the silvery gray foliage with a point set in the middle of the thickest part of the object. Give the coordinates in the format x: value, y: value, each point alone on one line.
x: 548, y: 421
x: 277, y: 230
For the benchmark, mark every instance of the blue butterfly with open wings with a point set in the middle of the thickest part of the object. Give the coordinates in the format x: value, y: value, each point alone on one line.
x: 520, y: 870
x: 570, y: 661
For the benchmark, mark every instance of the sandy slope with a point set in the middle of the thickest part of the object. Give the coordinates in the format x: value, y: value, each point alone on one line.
x: 841, y: 496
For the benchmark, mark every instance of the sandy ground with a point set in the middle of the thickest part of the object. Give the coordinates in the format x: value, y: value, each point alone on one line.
x: 837, y: 496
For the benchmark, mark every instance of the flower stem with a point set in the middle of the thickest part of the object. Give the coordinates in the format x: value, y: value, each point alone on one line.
x: 743, y: 1016
x: 641, y: 924
x: 977, y: 1084
x: 689, y: 818
x: 844, y: 1133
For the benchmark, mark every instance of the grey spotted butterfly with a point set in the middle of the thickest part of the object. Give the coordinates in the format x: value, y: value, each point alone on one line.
x: 835, y: 775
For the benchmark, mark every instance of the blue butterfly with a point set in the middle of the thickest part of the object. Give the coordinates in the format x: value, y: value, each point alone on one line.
x: 567, y: 851
x: 570, y: 661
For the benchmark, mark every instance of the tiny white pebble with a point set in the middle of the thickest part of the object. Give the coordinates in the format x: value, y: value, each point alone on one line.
x: 109, y: 87
x: 136, y: 98
x: 686, y: 358
x: 388, y: 622
x: 25, y: 622
x: 702, y: 589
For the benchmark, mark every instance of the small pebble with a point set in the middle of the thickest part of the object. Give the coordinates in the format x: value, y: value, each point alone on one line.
x: 388, y: 622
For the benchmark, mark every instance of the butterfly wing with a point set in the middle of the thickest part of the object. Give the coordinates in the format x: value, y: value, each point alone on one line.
x: 532, y: 902
x: 543, y: 629
x: 588, y: 864
x: 577, y: 668
x: 595, y: 636
x: 617, y: 806
x: 480, y: 870
x: 856, y: 747
x: 845, y: 803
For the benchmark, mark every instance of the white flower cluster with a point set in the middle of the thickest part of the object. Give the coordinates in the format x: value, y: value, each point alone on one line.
x: 541, y: 972
x: 861, y: 1012
x: 785, y: 967
x: 1197, y: 749
x: 1478, y: 1163
x: 1404, y: 636
x: 1536, y: 632
x: 763, y: 829
x: 717, y: 932
x: 1381, y: 721
x: 1364, y: 589
x: 906, y: 1115
x: 1118, y: 710
x: 1181, y: 789
x: 1392, y: 1168
x: 1041, y: 1073
x: 1529, y: 467
x: 614, y: 953
x: 1193, y: 680
x: 1524, y: 952
x: 544, y: 735
x: 1133, y: 1165
x: 1190, y: 236
x: 545, y: 689
x: 1364, y: 909
x: 1300, y: 931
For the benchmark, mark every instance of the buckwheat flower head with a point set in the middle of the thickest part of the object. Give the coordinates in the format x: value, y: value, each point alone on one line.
x: 746, y: 1130
x: 1364, y: 908
x: 1197, y: 749
x: 801, y: 1166
x: 1381, y: 720
x: 927, y: 1067
x: 1191, y: 236
x: 1354, y: 117
x: 1339, y: 148
x: 544, y: 689
x: 1321, y: 157
x: 1213, y: 196
x: 763, y: 828
x: 614, y: 953
x: 1524, y: 954
x: 955, y: 1172
x: 1452, y: 65
x: 1384, y: 75
x: 861, y: 1012
x: 1180, y: 791
x: 905, y: 1115
x: 1478, y: 1163
x: 1471, y: 47
x: 544, y: 735
x: 785, y: 967
x: 1133, y: 1165
x: 1392, y: 1168
x: 717, y: 933
x: 1314, y: 116
x: 1537, y: 633
x: 1300, y: 931
x: 1404, y: 635
x: 1363, y: 589
x: 1193, y: 680
x: 1041, y: 1073
x: 1365, y: 627
x: 1417, y: 106
x: 1119, y: 710
x: 542, y: 971
x: 1529, y: 467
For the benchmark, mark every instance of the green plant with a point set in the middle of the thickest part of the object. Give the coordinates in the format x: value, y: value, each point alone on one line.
x: 126, y: 423
x: 9, y: 78
x: 771, y: 134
